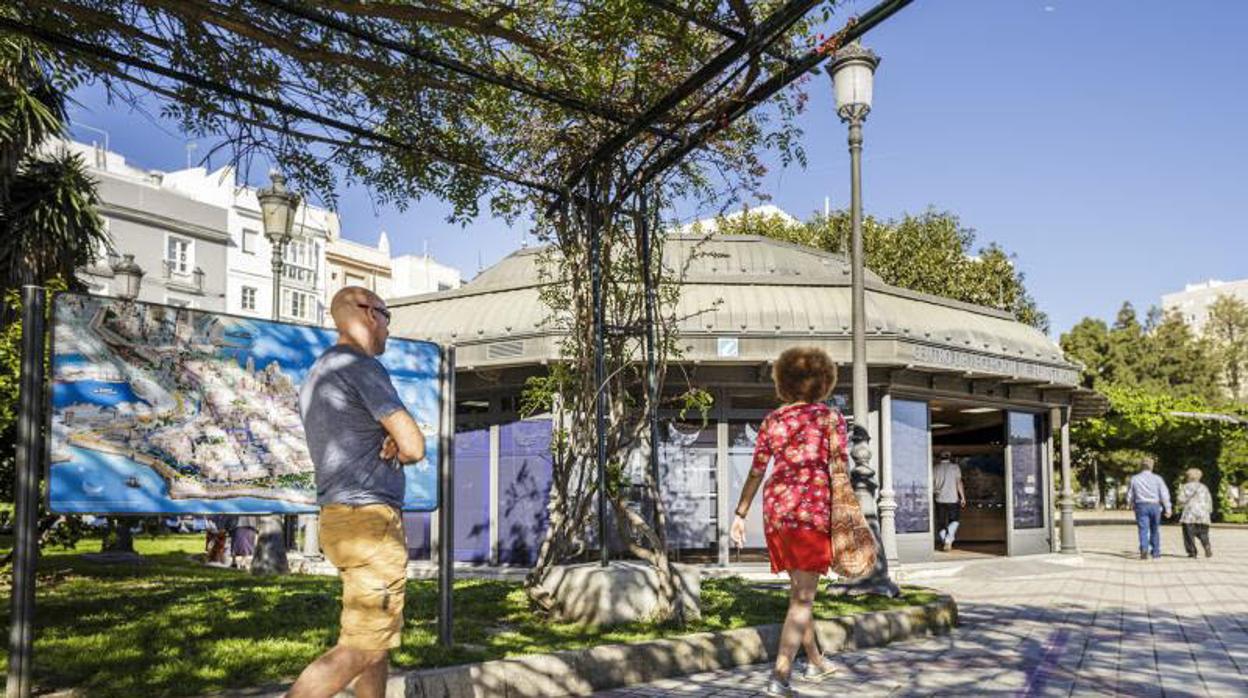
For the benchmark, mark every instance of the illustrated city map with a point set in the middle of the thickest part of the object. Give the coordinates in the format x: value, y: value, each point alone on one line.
x: 158, y: 409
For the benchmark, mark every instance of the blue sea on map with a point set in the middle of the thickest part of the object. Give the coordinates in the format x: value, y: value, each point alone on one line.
x: 94, y: 375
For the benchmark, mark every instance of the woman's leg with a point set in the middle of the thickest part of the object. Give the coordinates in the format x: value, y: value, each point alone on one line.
x: 797, y: 622
x: 810, y: 644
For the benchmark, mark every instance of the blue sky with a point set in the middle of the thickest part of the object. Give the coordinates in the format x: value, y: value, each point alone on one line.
x: 1104, y: 142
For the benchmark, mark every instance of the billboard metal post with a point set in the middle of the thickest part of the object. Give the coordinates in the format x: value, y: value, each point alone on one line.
x: 29, y: 464
x: 446, y: 497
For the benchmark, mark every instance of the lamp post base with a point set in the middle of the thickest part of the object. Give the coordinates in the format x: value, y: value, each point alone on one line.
x: 878, y: 582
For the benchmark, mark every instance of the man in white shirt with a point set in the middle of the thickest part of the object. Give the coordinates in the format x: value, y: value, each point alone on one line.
x: 950, y: 498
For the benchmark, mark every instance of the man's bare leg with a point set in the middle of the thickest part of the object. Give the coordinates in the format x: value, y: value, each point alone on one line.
x: 332, y: 671
x: 372, y: 681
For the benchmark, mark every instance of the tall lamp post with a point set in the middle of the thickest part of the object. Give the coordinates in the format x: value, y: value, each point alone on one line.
x: 129, y: 277
x: 852, y: 71
x: 277, y: 213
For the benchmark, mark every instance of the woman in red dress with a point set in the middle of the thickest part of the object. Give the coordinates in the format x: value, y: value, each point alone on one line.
x: 798, y: 438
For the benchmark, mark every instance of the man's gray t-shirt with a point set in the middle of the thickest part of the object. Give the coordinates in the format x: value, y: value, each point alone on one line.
x: 947, y: 477
x: 343, y: 399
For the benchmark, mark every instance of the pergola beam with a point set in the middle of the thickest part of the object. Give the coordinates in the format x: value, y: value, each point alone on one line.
x: 714, y: 25
x: 761, y: 35
x: 854, y: 30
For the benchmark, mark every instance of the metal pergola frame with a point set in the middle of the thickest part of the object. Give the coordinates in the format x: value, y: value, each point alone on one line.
x: 577, y: 188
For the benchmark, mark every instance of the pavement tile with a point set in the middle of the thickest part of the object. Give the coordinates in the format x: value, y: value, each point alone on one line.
x: 1112, y: 625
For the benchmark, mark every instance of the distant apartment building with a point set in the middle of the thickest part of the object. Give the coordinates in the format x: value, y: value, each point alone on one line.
x: 1194, y: 300
x: 353, y: 263
x: 181, y: 244
x: 199, y: 237
x: 417, y: 274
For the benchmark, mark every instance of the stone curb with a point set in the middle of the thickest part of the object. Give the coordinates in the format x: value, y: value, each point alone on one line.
x: 581, y: 672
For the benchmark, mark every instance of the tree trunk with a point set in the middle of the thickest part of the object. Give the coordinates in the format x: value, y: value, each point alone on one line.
x: 118, y: 538
x: 270, y: 557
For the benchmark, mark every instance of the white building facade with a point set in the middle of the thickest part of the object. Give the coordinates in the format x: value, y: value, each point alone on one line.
x: 199, y: 237
x: 414, y: 275
x: 351, y: 263
x: 182, y: 244
x: 1194, y: 301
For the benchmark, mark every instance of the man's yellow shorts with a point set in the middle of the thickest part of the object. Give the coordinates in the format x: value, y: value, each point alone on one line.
x: 367, y: 546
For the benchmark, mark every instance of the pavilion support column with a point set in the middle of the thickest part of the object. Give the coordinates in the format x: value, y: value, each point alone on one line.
x: 888, y: 496
x: 1068, y: 493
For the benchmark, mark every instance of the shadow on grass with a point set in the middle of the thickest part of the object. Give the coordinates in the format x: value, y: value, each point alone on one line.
x: 172, y: 627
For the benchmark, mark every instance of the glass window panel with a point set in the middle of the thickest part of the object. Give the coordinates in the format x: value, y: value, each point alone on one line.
x: 524, y: 474
x: 912, y: 469
x: 741, y: 439
x: 688, y: 457
x: 472, y: 496
x: 1026, y: 458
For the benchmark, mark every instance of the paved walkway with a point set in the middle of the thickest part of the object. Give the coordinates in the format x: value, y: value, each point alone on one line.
x: 1100, y: 623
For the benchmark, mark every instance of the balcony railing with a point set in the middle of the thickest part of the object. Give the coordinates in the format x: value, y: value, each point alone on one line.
x: 192, y: 282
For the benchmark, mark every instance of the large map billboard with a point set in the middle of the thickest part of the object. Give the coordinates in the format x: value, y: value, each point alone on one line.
x: 159, y: 409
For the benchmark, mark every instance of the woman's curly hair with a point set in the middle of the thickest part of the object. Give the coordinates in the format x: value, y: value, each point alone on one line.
x: 804, y: 374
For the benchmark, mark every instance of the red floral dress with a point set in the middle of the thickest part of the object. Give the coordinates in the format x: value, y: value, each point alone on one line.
x: 796, y: 498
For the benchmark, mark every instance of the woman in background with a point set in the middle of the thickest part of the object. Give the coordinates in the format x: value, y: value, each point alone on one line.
x: 1197, y: 505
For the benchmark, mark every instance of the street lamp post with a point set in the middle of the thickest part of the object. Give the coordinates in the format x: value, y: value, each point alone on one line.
x: 852, y: 71
x: 130, y: 275
x: 277, y: 213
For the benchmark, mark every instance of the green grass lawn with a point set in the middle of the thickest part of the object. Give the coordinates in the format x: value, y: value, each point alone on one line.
x: 1236, y: 517
x: 172, y: 627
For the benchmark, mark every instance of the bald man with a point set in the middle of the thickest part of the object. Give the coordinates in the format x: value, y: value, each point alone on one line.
x: 359, y: 435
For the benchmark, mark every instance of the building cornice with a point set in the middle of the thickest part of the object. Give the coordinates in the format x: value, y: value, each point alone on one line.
x: 172, y: 225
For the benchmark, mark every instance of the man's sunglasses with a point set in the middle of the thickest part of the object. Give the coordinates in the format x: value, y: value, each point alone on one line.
x: 380, y: 311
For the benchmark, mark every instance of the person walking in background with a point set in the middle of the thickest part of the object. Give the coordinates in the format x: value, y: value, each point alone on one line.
x: 359, y: 435
x: 1197, y: 505
x: 950, y: 498
x: 802, y: 436
x: 243, y: 541
x: 1148, y: 496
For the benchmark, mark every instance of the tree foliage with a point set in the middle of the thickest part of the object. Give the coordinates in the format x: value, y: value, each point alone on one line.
x: 380, y: 94
x: 48, y: 221
x: 48, y: 228
x: 1162, y: 381
x: 1227, y: 329
x: 428, y: 98
x: 1161, y: 355
x: 930, y: 253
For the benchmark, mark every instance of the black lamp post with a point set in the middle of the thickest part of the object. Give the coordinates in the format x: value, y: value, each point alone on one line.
x: 853, y: 72
x: 277, y: 212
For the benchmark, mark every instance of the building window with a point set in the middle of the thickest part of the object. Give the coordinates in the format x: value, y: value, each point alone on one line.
x: 301, y: 262
x: 249, y: 240
x: 298, y: 305
x: 1026, y: 464
x: 912, y: 465
x: 178, y: 255
x: 354, y: 280
x: 249, y: 298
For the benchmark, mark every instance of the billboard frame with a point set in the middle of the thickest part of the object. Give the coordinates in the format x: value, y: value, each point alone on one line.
x: 47, y: 409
